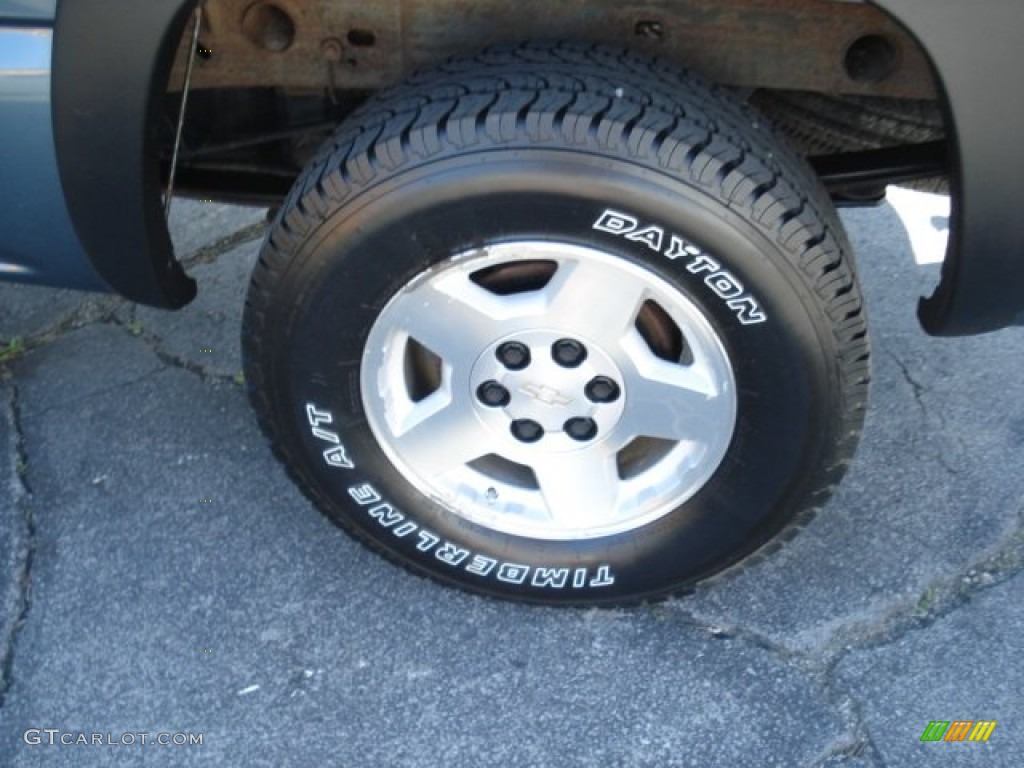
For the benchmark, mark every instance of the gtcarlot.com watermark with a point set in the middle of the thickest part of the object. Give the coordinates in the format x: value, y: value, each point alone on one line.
x: 55, y: 736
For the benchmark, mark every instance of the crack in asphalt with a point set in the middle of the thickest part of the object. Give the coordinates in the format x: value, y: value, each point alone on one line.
x: 1005, y: 561
x: 722, y: 631
x: 1001, y: 563
x: 89, y: 312
x: 855, y: 741
x: 208, y: 254
x: 750, y: 638
x: 919, y: 391
x: 918, y: 388
x: 171, y: 360
x: 22, y: 574
x: 92, y: 311
x: 858, y: 742
x: 103, y: 309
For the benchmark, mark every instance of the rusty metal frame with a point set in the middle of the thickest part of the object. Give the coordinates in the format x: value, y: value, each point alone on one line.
x: 368, y: 44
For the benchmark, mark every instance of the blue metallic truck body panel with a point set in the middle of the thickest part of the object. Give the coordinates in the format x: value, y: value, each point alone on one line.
x: 27, y: 10
x: 39, y: 243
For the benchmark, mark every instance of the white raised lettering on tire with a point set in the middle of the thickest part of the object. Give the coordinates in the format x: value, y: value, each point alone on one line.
x: 723, y: 284
x: 334, y: 456
x: 546, y: 577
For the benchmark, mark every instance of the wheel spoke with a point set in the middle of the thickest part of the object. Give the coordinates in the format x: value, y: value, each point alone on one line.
x: 580, y: 488
x: 673, y: 402
x: 594, y: 300
x: 438, y: 434
x: 455, y: 318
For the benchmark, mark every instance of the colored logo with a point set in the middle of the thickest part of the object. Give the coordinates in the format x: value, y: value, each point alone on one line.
x: 958, y: 730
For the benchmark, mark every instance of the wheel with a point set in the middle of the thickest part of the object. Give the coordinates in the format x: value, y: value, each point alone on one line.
x: 559, y: 324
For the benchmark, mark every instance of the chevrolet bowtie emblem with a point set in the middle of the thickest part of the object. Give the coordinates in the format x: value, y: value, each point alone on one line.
x: 545, y: 394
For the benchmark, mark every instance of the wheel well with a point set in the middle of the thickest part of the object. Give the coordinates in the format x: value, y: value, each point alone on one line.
x: 273, y: 77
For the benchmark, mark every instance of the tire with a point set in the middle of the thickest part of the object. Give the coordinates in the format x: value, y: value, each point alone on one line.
x: 822, y: 124
x: 582, y: 238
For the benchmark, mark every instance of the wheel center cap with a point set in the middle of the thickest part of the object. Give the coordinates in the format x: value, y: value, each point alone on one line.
x: 545, y: 394
x: 554, y: 390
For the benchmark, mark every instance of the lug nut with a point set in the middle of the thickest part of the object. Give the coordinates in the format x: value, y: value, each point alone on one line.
x: 601, y: 389
x: 580, y: 429
x: 568, y: 353
x: 492, y: 394
x: 527, y: 430
x: 514, y: 355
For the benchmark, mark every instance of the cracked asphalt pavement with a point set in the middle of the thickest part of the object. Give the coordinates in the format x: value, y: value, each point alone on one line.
x: 159, y: 573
